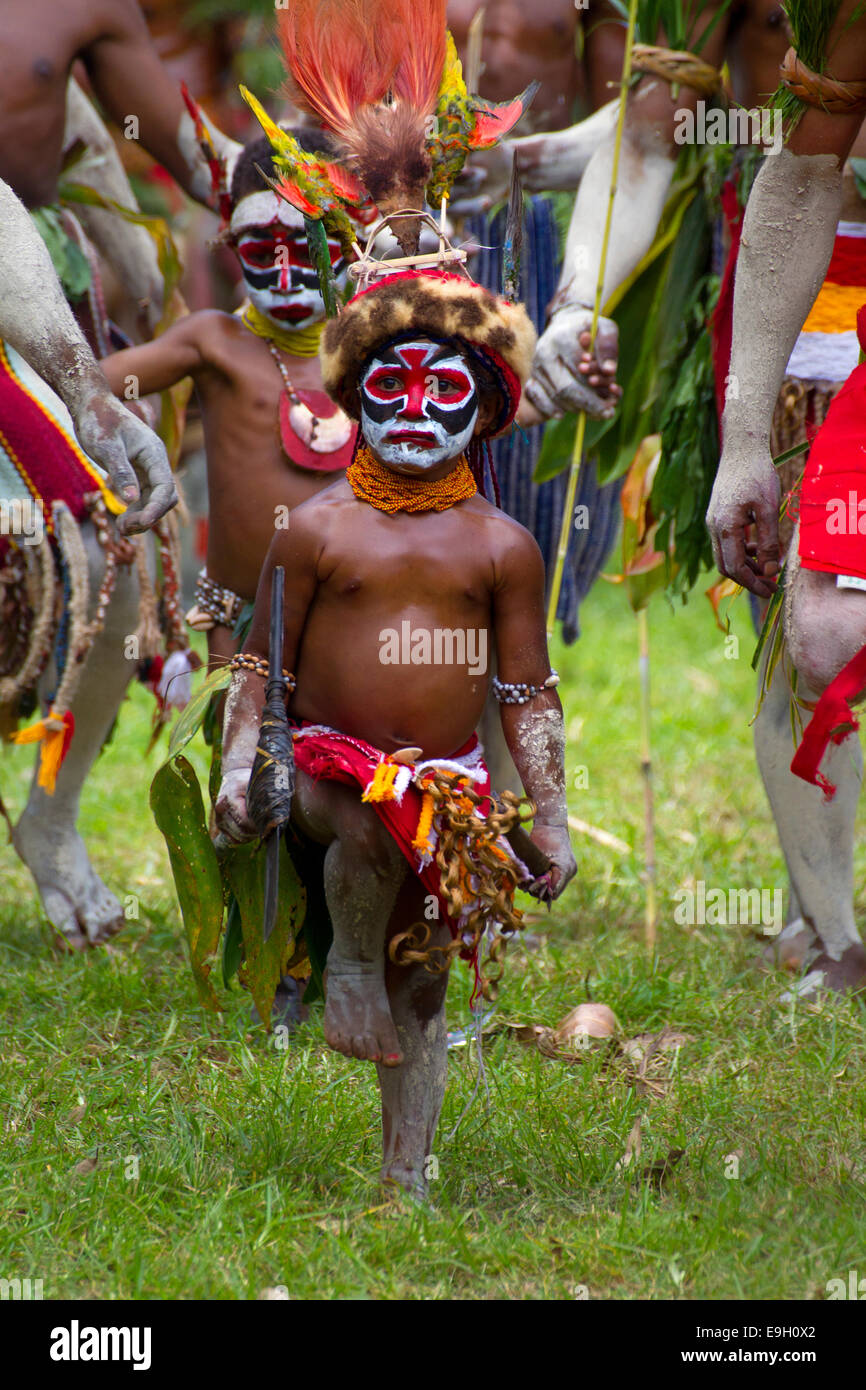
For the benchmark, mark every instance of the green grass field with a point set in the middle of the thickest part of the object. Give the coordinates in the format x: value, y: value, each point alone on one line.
x: 153, y: 1151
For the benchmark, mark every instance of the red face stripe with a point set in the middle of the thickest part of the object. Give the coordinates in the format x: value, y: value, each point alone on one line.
x: 258, y: 248
x: 419, y: 383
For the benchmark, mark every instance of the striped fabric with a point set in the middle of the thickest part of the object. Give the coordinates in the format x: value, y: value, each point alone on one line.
x: 39, y: 456
x: 539, y: 508
x: 827, y: 348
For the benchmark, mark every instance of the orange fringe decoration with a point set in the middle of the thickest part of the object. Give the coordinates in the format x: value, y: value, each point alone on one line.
x: 382, y: 786
x: 54, y: 732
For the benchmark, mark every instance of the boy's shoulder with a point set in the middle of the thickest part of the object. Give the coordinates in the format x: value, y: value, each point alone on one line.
x: 214, y: 325
x: 507, y: 532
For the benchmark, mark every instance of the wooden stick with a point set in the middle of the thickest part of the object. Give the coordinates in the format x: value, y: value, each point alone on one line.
x: 650, y: 912
x: 580, y: 432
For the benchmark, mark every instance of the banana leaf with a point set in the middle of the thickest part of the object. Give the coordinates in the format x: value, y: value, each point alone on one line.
x: 191, y: 717
x: 264, y: 961
x: 178, y: 809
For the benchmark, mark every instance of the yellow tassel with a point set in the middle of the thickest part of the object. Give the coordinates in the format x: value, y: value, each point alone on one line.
x: 425, y: 821
x: 54, y: 733
x: 382, y: 786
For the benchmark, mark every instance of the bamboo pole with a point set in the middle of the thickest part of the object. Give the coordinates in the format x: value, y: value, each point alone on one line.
x: 650, y: 910
x: 580, y: 432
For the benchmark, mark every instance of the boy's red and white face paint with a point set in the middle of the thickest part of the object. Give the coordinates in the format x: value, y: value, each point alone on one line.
x: 419, y: 405
x: 271, y: 244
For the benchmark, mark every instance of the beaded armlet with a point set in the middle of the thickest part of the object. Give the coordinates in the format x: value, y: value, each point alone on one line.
x: 241, y: 661
x: 510, y: 693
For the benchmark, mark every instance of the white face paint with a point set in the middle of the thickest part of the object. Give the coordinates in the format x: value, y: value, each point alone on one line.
x: 271, y: 244
x: 419, y: 405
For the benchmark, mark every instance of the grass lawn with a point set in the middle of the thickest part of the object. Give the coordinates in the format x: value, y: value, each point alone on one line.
x: 153, y: 1151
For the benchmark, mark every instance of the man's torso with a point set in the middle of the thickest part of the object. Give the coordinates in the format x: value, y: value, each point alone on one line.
x: 39, y: 42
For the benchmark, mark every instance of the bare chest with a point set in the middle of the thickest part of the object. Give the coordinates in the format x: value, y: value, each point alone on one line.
x: 39, y: 42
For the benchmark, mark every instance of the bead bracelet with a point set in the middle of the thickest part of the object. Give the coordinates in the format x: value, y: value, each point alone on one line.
x: 510, y: 693
x: 242, y: 661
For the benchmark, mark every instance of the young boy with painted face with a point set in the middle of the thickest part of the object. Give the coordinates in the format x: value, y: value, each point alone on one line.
x: 385, y: 572
x: 272, y: 436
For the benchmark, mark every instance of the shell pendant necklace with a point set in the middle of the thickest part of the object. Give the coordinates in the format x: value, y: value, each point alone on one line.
x: 322, y: 434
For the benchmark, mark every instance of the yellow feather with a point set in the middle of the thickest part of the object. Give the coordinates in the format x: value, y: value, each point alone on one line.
x: 278, y: 138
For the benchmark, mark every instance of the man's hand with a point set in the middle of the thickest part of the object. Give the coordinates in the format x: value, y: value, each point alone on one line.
x: 230, y: 807
x: 133, y: 457
x: 566, y: 375
x: 555, y: 842
x: 746, y: 493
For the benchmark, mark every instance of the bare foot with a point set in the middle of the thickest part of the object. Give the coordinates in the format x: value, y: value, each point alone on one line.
x: 399, y: 1181
x: 790, y: 949
x: 358, y: 1019
x: 846, y: 973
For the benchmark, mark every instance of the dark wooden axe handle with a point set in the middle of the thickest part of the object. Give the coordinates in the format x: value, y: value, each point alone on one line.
x: 534, y: 858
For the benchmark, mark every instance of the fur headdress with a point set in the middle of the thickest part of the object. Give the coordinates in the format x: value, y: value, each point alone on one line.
x: 498, y: 335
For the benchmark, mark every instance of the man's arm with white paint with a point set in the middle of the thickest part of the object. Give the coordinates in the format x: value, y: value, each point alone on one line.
x: 550, y: 162
x: 36, y: 320
x: 787, y: 242
x: 564, y: 377
x: 561, y: 379
x: 786, y: 245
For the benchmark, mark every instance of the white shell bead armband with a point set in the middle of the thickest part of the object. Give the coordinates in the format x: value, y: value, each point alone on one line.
x: 518, y: 693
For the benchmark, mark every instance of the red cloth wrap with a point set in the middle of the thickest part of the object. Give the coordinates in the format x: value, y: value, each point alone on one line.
x: 833, y: 496
x: 832, y: 722
x: 832, y: 532
x: 340, y: 758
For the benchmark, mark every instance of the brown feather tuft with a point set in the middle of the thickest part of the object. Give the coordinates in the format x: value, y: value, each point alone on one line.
x: 370, y: 71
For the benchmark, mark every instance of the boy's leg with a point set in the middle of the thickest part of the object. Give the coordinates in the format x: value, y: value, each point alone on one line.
x: 363, y: 872
x: 412, y: 1093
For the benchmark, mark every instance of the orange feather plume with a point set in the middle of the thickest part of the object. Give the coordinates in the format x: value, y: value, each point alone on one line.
x: 370, y: 70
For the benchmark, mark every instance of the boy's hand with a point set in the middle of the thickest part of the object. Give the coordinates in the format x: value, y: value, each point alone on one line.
x: 230, y: 807
x: 555, y: 842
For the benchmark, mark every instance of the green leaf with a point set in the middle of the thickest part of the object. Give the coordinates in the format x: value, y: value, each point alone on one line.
x: 265, y: 961
x: 178, y: 809
x: 233, y: 943
x: 192, y: 715
x: 317, y: 242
